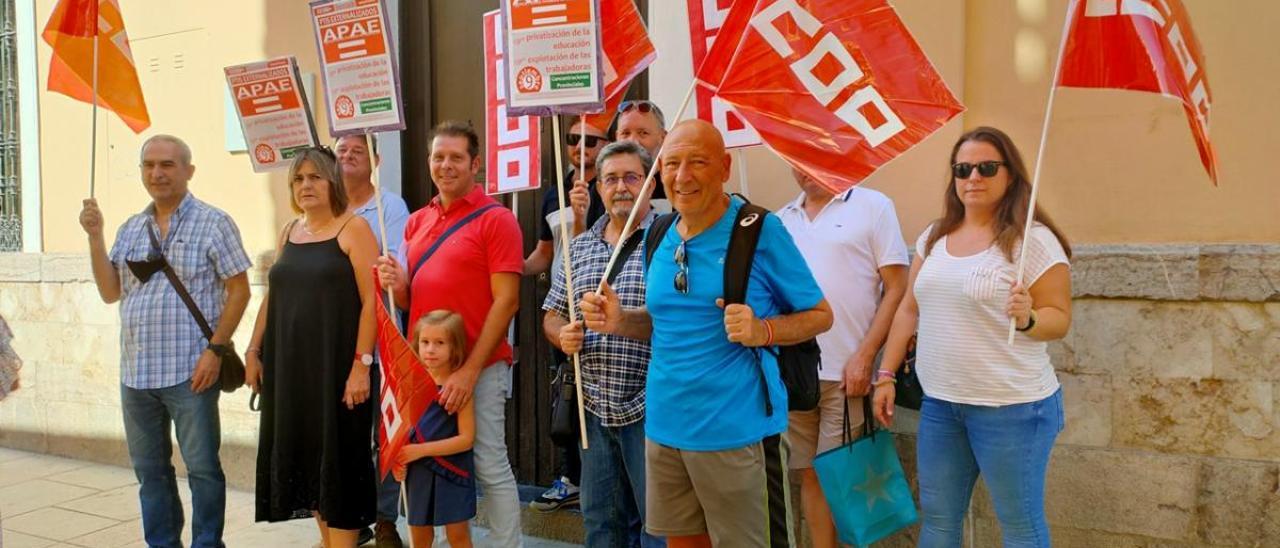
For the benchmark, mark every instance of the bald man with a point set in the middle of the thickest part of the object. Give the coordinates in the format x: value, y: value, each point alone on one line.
x: 716, y: 411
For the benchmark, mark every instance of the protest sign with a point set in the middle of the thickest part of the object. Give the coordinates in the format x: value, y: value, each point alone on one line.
x: 358, y: 66
x: 512, y: 144
x: 553, y: 56
x: 273, y: 110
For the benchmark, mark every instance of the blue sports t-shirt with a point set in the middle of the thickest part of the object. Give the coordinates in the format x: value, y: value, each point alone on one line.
x: 704, y: 392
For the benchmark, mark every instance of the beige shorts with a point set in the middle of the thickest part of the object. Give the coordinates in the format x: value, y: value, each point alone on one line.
x: 812, y: 432
x: 739, y: 496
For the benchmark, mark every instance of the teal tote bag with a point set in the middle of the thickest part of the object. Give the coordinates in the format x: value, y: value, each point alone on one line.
x: 864, y: 484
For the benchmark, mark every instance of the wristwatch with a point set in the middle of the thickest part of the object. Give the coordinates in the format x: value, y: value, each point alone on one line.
x: 366, y: 359
x: 220, y: 350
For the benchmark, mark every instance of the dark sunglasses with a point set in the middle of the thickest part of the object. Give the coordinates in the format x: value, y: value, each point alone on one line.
x: 989, y: 168
x: 682, y: 275
x: 574, y: 138
x: 639, y: 104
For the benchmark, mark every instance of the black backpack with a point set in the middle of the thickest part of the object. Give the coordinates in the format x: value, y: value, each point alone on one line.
x: 797, y: 363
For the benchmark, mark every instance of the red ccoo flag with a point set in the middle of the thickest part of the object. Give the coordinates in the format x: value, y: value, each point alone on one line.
x: 1143, y: 45
x: 407, y: 390
x: 836, y: 87
x: 627, y: 52
x: 70, y: 32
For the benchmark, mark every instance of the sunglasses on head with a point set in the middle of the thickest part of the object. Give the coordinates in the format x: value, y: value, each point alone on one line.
x: 989, y: 168
x: 640, y: 105
x: 682, y: 275
x: 574, y: 138
x: 324, y: 149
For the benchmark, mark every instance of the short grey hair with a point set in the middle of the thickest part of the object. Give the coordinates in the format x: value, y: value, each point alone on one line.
x: 621, y: 148
x: 184, y: 151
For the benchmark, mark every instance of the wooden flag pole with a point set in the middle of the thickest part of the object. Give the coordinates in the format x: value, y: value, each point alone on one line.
x: 565, y: 236
x: 382, y: 222
x: 93, y: 140
x: 648, y: 185
x: 1035, y: 178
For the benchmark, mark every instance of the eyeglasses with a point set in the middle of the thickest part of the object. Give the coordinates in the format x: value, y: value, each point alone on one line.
x: 988, y: 168
x: 682, y: 275
x: 630, y: 179
x: 640, y: 105
x: 574, y: 138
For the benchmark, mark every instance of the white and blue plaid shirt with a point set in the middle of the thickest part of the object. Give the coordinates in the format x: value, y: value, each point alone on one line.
x: 614, y: 368
x: 160, y: 342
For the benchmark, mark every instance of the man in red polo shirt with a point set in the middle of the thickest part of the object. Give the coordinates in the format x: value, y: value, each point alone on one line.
x: 463, y: 252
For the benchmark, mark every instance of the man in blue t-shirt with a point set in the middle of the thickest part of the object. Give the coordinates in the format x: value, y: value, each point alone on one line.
x: 715, y: 459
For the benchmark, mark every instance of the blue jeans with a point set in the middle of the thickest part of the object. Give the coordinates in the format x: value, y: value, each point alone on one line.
x: 147, y: 415
x: 1008, y: 445
x: 613, y: 486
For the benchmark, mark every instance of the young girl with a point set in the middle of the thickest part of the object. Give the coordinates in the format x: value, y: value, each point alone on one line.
x: 440, y: 468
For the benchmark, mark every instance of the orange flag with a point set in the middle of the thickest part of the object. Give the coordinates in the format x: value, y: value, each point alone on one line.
x: 70, y: 32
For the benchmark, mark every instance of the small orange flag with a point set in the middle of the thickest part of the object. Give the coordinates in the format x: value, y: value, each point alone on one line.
x: 70, y: 31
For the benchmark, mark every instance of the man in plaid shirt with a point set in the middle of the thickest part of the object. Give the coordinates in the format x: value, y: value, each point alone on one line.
x: 169, y: 371
x: 613, y: 367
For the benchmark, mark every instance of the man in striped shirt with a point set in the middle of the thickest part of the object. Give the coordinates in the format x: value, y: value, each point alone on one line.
x: 613, y: 367
x: 169, y: 371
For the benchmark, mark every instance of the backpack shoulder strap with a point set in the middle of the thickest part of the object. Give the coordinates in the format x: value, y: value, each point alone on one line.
x: 742, y: 251
x: 652, y: 237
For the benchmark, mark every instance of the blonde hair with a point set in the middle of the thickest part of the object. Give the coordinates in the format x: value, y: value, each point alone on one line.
x: 326, y: 165
x: 455, y: 332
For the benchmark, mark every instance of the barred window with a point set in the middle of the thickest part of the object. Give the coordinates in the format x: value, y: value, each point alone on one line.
x: 10, y: 200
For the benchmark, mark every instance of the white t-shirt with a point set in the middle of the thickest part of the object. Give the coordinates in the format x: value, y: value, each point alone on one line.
x: 851, y: 239
x: 962, y: 353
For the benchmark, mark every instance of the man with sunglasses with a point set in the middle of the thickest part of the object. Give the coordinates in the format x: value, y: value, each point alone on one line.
x: 716, y: 406
x: 357, y: 162
x: 580, y: 190
x: 613, y: 368
x: 853, y: 245
x: 169, y: 371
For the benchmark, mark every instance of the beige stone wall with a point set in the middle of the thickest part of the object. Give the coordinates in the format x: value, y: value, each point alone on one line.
x: 69, y: 403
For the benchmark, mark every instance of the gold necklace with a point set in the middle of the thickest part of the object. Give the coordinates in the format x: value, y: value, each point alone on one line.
x: 307, y: 229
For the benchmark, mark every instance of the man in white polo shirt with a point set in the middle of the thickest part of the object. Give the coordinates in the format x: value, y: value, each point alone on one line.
x: 854, y: 248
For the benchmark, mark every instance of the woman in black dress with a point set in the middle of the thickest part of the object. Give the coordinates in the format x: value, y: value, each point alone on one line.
x: 310, y: 358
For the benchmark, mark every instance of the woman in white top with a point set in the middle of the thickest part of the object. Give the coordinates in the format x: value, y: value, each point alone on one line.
x: 990, y: 408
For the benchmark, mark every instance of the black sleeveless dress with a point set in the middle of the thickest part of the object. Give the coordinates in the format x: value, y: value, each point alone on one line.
x: 313, y: 453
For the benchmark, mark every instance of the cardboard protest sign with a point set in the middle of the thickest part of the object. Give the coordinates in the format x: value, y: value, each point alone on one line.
x: 358, y: 65
x: 553, y: 56
x: 513, y: 149
x: 273, y: 110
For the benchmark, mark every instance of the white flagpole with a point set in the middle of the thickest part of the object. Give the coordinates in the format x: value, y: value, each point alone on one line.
x: 565, y: 236
x: 741, y: 160
x: 648, y: 185
x: 93, y: 140
x: 1035, y: 178
x: 382, y: 223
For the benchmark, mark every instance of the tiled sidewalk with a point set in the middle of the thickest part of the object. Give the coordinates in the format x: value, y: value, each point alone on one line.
x: 49, y: 501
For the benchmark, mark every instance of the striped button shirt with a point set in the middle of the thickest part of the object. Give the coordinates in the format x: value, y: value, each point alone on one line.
x: 613, y: 367
x: 160, y: 342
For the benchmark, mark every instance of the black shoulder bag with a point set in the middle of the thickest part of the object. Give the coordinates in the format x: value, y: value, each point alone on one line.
x: 797, y: 363
x: 231, y: 370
